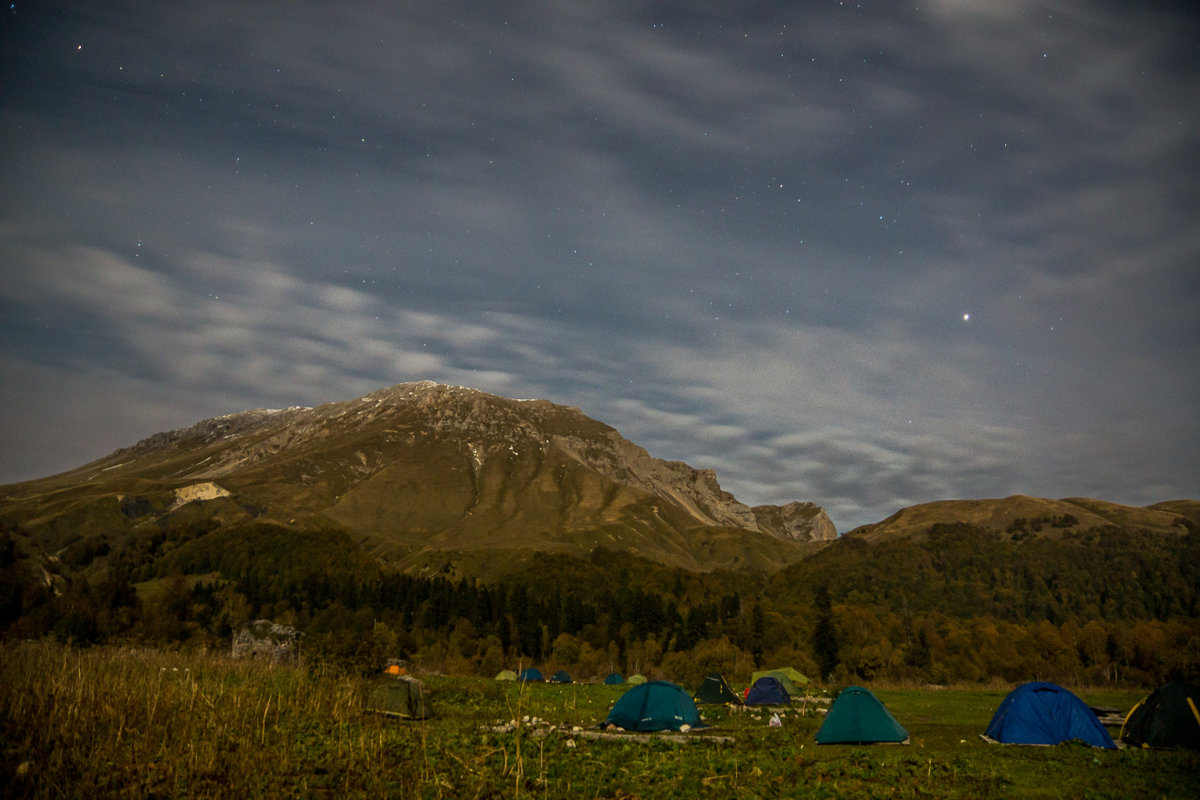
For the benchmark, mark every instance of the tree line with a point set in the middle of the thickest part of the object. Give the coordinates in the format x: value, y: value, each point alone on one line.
x: 960, y: 604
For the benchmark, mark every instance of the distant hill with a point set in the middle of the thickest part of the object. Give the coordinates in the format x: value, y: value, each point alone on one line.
x: 427, y: 477
x: 1019, y: 559
x: 1020, y: 516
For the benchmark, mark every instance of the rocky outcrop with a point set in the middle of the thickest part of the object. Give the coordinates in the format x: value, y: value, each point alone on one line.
x: 268, y: 640
x: 197, y: 492
x: 802, y: 522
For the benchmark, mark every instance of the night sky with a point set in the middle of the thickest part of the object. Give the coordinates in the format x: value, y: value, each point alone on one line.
x: 866, y: 255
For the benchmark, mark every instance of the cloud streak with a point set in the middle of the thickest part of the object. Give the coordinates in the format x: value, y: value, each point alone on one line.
x: 747, y: 238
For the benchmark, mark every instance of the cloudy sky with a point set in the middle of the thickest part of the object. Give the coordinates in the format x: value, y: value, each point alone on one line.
x: 861, y: 254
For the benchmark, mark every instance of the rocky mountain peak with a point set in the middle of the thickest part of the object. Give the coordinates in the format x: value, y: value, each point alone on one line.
x: 423, y: 469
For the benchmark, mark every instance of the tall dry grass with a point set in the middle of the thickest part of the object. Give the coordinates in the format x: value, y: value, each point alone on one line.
x: 146, y: 723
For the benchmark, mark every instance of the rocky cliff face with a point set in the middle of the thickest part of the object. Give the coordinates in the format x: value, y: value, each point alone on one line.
x: 422, y: 470
x: 799, y: 521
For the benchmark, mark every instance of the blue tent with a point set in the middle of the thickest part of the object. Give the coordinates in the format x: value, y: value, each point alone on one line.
x: 767, y: 691
x: 1044, y: 713
x: 614, y: 679
x: 530, y: 674
x: 654, y: 706
x: 562, y: 676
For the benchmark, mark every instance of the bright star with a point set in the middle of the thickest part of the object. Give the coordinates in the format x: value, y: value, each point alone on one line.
x: 966, y: 317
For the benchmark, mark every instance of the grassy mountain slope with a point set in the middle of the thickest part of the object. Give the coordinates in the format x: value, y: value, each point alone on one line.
x: 1021, y: 515
x: 424, y: 476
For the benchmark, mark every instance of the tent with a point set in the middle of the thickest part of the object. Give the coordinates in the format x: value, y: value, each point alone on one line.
x: 798, y: 677
x: 767, y: 691
x: 654, y: 706
x: 1169, y: 717
x: 560, y: 677
x: 634, y: 680
x: 530, y: 674
x: 1045, y: 713
x: 791, y: 679
x: 400, y: 696
x: 715, y: 690
x: 857, y: 717
x: 614, y: 679
x: 506, y: 675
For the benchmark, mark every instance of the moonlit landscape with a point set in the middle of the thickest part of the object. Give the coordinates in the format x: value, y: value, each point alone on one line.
x: 863, y: 255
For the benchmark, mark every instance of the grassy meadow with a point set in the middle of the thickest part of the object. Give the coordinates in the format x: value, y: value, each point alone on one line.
x: 105, y: 722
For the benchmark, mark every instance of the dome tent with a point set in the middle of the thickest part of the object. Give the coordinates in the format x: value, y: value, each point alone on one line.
x: 506, y: 675
x: 715, y: 690
x: 791, y: 679
x: 614, y: 679
x: 1045, y: 713
x: 530, y: 674
x: 857, y: 717
x: 654, y: 706
x: 562, y: 676
x: 1169, y: 717
x: 767, y: 691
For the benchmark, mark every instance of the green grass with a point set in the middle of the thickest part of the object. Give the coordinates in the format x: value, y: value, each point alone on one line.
x: 143, y: 723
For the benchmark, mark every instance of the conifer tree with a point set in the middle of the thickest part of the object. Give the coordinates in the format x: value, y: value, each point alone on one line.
x: 825, y: 644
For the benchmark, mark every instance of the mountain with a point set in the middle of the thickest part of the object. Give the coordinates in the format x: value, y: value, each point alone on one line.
x: 427, y: 477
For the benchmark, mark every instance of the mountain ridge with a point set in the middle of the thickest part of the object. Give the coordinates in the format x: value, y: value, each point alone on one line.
x: 1024, y: 516
x: 443, y: 479
x: 423, y: 472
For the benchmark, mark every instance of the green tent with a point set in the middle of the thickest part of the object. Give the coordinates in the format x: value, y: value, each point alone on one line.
x: 400, y: 696
x: 715, y: 690
x: 789, y: 678
x: 634, y: 680
x: 857, y: 717
x: 506, y: 675
x: 794, y: 675
x: 654, y: 706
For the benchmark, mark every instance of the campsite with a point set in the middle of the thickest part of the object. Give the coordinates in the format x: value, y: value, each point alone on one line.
x: 141, y: 723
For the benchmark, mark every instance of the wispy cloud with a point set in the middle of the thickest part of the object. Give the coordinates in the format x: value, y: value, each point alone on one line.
x: 861, y: 257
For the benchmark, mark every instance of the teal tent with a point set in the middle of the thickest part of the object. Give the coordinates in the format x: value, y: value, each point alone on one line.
x: 562, y: 676
x: 715, y: 690
x: 654, y: 706
x: 857, y: 717
x: 614, y: 679
x: 530, y: 674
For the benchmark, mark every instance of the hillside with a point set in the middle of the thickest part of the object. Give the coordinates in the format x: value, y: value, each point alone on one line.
x: 1023, y: 516
x: 424, y: 476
